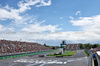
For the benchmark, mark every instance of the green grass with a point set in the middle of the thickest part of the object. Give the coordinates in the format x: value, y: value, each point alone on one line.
x: 14, y: 56
x: 86, y: 53
x: 69, y: 53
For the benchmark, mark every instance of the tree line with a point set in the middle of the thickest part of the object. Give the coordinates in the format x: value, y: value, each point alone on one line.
x: 88, y: 46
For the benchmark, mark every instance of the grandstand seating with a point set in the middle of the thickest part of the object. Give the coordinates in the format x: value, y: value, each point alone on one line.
x: 7, y: 46
x: 73, y: 46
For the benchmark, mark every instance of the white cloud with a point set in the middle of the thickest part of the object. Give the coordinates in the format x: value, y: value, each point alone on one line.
x: 25, y: 5
x: 15, y: 14
x: 72, y: 37
x: 38, y: 27
x: 61, y: 24
x: 43, y: 3
x: 78, y: 13
x: 11, y: 29
x: 33, y: 20
x: 61, y: 17
x: 88, y: 23
x: 71, y: 17
x: 5, y: 14
x: 2, y: 28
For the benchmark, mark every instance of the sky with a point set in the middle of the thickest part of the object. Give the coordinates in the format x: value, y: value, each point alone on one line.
x: 50, y: 21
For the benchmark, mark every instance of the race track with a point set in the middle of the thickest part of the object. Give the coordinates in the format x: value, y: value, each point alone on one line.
x: 79, y: 59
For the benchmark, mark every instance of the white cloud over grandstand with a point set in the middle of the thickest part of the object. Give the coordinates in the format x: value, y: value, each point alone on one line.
x: 38, y: 27
x: 71, y: 37
x: 11, y: 29
x: 88, y: 23
x: 3, y: 28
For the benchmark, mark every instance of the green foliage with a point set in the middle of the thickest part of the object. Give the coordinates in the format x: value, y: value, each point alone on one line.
x: 45, y: 45
x: 48, y: 46
x: 69, y: 53
x: 53, y: 48
x: 86, y: 53
x: 81, y: 46
x: 95, y: 45
x: 88, y: 46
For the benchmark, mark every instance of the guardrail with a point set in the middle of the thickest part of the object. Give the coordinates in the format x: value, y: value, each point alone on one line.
x: 90, y: 57
x: 90, y: 60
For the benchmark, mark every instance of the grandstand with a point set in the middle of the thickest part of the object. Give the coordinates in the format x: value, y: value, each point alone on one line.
x: 73, y: 46
x: 7, y: 46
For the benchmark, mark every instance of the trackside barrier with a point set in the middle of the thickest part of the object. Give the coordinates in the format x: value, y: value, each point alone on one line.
x: 22, y: 54
x: 98, y: 60
x: 90, y: 60
x: 90, y: 57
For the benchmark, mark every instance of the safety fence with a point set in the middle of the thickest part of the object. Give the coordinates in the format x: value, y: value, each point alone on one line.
x: 23, y: 54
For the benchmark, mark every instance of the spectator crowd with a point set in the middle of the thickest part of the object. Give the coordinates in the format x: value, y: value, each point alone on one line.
x: 7, y: 46
x: 73, y: 46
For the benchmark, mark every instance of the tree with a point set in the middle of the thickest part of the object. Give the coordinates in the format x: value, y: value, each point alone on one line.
x: 81, y: 46
x: 53, y: 48
x: 87, y: 46
x: 45, y: 45
x: 48, y: 46
x: 95, y: 45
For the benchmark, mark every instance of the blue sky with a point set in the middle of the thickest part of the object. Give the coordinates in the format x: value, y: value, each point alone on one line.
x: 75, y: 21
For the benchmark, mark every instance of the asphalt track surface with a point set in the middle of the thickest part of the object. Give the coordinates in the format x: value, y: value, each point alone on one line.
x: 79, y: 59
